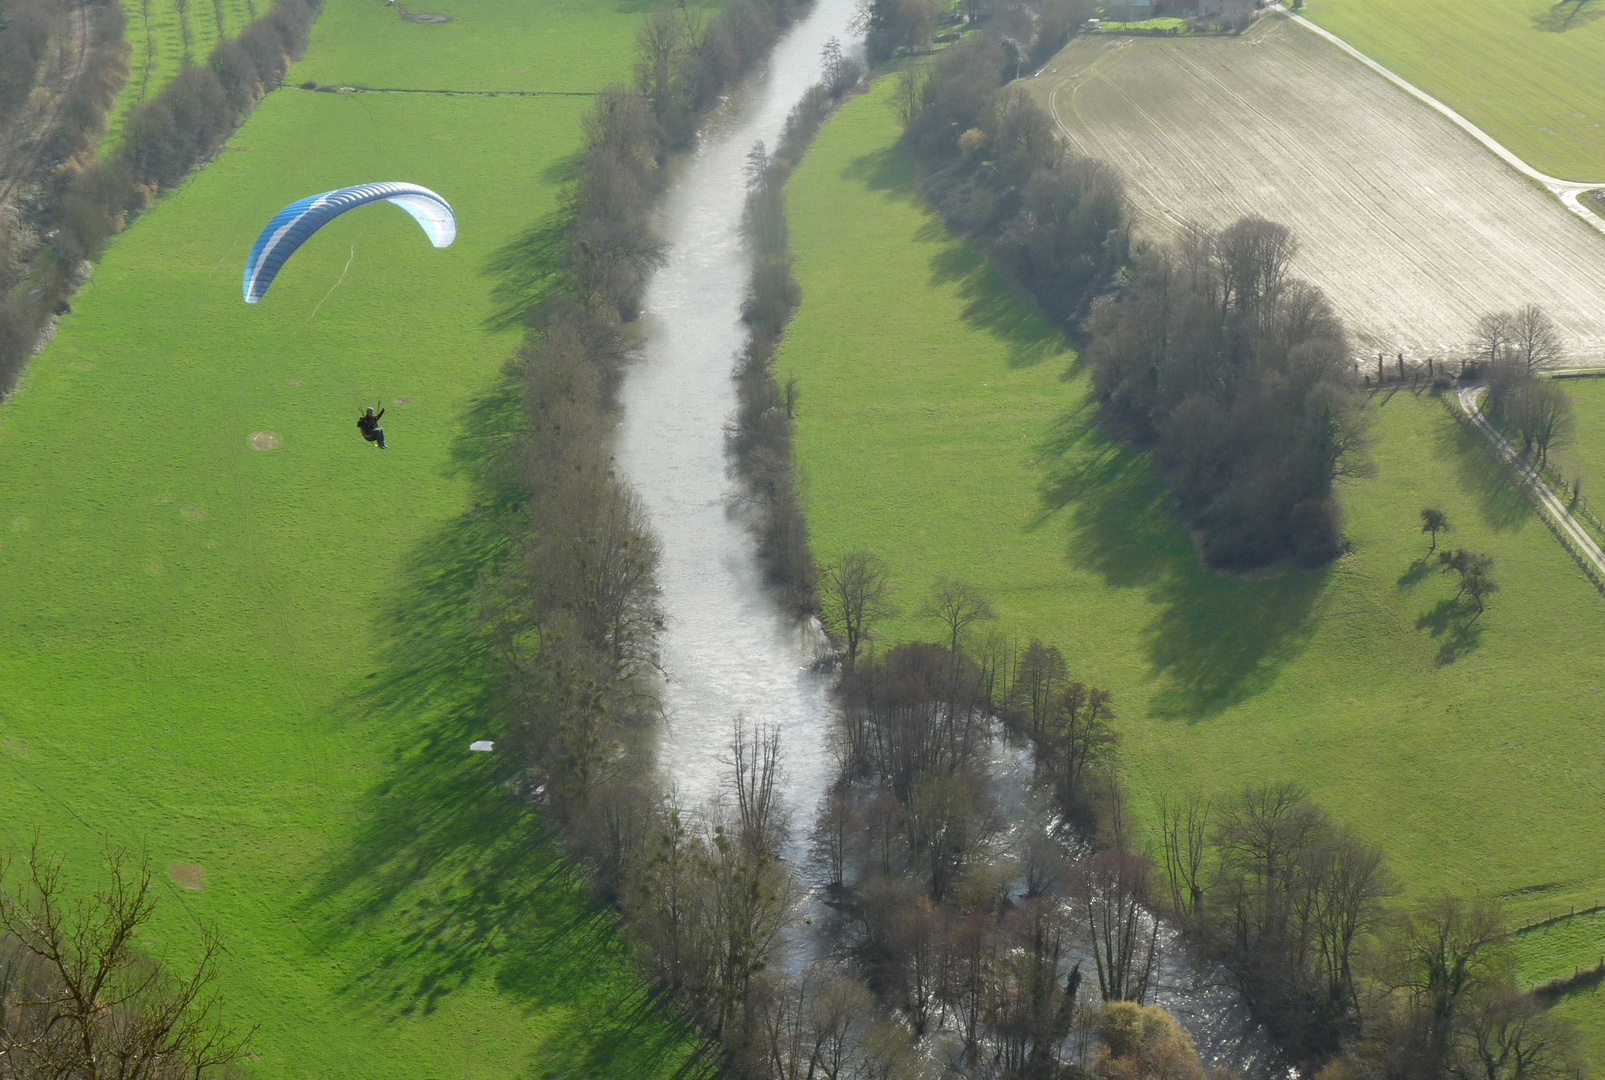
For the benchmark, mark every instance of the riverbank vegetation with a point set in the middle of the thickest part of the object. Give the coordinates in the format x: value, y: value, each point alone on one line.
x: 969, y: 449
x: 759, y: 435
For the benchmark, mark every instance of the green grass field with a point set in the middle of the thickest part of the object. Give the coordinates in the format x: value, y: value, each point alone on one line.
x: 264, y: 662
x: 944, y: 426
x: 1529, y: 72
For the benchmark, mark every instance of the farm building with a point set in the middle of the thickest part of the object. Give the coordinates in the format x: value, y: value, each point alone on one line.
x: 1224, y: 9
x: 1129, y: 10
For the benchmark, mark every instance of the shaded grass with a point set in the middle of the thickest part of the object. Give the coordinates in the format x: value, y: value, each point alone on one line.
x: 267, y: 664
x: 1582, y: 454
x: 1472, y: 753
x: 1529, y: 72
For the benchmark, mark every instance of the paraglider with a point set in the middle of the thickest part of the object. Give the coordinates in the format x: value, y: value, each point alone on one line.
x: 368, y: 424
x: 295, y: 224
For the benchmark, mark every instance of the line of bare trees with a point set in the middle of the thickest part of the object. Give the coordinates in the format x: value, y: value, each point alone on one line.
x: 41, y: 150
x: 992, y: 163
x: 759, y: 434
x: 78, y: 1001
x: 1515, y: 348
x: 80, y: 200
x: 985, y: 927
x: 1010, y: 929
x: 1237, y: 374
x: 684, y: 58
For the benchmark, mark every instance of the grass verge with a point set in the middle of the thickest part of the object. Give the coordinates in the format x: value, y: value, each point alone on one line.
x: 945, y: 426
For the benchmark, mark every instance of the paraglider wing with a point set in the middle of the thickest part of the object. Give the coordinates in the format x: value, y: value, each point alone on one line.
x: 295, y: 224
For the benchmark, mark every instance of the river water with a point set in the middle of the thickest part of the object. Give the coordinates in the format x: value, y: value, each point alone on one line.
x: 728, y: 649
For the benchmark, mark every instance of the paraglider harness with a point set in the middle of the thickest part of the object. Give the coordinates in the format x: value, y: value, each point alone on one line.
x: 368, y: 424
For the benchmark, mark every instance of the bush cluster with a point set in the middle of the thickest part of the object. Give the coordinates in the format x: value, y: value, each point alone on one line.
x: 24, y: 36
x: 1238, y: 375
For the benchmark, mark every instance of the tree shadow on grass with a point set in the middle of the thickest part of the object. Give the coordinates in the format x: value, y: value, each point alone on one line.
x: 1486, y: 476
x: 1455, y: 623
x: 1568, y: 15
x: 888, y: 170
x: 451, y: 878
x: 1215, y: 640
x: 526, y: 271
x: 991, y: 304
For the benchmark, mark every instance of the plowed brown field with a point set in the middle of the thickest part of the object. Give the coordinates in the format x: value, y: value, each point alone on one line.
x: 1411, y: 227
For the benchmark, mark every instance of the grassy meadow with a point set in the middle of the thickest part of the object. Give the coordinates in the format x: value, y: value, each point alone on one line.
x: 1531, y: 73
x: 263, y: 662
x: 945, y: 426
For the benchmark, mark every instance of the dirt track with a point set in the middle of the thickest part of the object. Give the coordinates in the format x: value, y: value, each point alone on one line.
x: 1411, y: 227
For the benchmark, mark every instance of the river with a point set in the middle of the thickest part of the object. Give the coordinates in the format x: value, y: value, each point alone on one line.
x: 728, y: 649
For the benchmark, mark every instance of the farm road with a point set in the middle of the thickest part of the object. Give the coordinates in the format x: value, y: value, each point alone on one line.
x: 1411, y: 227
x: 1568, y: 191
x: 1580, y: 538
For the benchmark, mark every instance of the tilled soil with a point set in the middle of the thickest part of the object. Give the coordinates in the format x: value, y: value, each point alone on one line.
x: 1411, y: 227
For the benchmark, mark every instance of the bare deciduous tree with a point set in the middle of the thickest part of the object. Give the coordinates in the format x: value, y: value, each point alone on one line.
x: 1475, y: 572
x: 77, y: 1001
x: 958, y: 606
x: 1534, y: 338
x: 1184, y: 830
x: 855, y: 596
x: 1492, y: 338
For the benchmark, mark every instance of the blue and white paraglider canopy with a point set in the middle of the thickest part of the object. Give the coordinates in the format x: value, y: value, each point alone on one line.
x: 295, y: 224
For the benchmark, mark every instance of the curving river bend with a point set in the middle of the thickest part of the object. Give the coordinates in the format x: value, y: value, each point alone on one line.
x: 728, y: 649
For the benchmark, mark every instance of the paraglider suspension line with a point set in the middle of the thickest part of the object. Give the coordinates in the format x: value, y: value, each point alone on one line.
x: 335, y: 286
x: 226, y: 254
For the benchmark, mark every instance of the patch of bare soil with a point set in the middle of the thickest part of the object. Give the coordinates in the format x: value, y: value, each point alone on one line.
x: 1412, y: 228
x: 424, y: 17
x: 403, y: 401
x: 192, y: 514
x: 188, y: 875
x: 264, y: 440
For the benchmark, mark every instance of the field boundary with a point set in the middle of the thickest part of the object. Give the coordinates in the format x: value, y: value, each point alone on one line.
x: 330, y: 88
x: 1571, y: 534
x: 1568, y: 192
